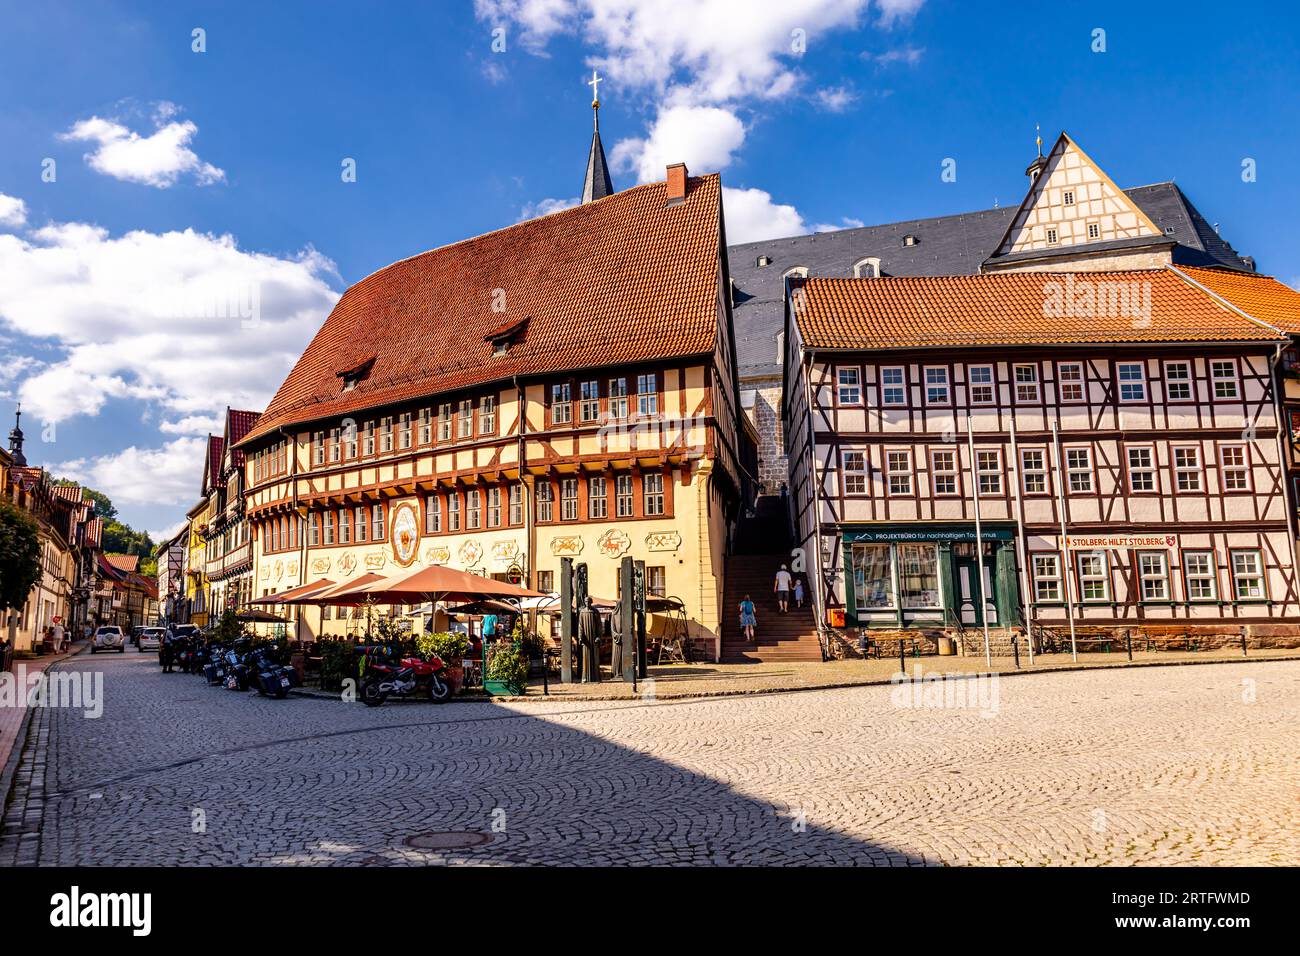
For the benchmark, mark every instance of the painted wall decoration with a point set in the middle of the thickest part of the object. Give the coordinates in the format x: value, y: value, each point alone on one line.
x: 404, y: 533
x: 375, y: 560
x: 439, y: 555
x: 663, y: 541
x: 291, y: 569
x: 566, y: 545
x: 279, y: 570
x: 320, y: 565
x: 613, y: 543
x: 348, y: 563
x: 265, y: 573
x: 505, y: 552
x: 470, y: 552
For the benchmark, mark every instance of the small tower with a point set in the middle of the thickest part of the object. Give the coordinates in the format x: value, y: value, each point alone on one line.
x: 16, y: 440
x: 1036, y: 167
x: 597, y: 184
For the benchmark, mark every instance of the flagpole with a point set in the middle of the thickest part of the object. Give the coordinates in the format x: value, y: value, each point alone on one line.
x: 979, y: 544
x: 1066, y: 571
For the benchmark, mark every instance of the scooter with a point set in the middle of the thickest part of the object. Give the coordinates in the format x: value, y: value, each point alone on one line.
x: 409, y: 678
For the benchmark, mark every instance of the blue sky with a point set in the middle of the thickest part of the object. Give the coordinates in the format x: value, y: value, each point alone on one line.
x: 194, y: 177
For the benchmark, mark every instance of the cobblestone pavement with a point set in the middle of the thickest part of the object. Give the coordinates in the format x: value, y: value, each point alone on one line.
x: 1170, y: 765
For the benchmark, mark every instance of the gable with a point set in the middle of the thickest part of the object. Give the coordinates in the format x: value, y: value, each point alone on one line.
x: 1071, y: 194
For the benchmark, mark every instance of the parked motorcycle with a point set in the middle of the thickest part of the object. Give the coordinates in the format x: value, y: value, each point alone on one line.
x: 238, y: 666
x: 269, y: 677
x: 214, y: 670
x: 410, y: 677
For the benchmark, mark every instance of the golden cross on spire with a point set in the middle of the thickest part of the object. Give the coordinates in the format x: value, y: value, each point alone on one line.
x: 1038, y: 139
x: 594, y: 83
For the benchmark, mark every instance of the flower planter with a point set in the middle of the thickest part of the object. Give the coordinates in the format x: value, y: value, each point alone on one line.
x: 456, y: 676
x: 500, y: 688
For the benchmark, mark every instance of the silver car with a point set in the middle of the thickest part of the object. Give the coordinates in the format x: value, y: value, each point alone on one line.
x: 108, y: 638
x: 151, y: 638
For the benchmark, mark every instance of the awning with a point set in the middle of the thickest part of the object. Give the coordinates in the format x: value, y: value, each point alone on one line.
x: 439, y: 583
x: 349, y: 593
x: 294, y: 593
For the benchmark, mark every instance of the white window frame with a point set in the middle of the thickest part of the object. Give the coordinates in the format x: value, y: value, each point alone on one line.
x: 1210, y: 574
x: 1033, y: 382
x: 1102, y: 576
x: 951, y: 472
x: 1081, y: 383
x: 972, y: 385
x: 983, y: 472
x: 1040, y: 470
x: 1071, y: 470
x: 1227, y: 472
x: 1153, y: 569
x: 848, y: 392
x: 898, y: 472
x: 1150, y: 469
x: 1217, y: 379
x: 886, y: 387
x: 1185, y: 380
x: 936, y: 378
x: 854, y: 473
x: 1185, y: 470
x: 1047, y: 570
x: 1261, y: 586
x: 1136, y: 387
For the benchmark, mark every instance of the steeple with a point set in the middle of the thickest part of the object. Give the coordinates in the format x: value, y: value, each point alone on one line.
x: 597, y: 184
x: 16, y: 440
x: 1036, y: 167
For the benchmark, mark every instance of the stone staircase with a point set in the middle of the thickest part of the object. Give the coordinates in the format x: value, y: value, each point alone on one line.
x: 762, y: 546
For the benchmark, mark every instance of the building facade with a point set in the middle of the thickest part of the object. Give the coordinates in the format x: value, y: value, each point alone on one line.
x: 229, y: 550
x: 1023, y: 449
x: 564, y: 387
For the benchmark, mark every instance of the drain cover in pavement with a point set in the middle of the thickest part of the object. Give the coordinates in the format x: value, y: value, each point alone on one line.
x: 448, y: 840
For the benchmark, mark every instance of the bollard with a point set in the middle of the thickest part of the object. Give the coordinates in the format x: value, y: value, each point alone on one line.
x: 902, y: 655
x: 1243, y: 642
x: 1128, y: 641
x: 1015, y: 650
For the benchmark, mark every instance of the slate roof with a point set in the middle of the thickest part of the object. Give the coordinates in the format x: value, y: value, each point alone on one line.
x: 947, y: 245
x: 1008, y: 308
x: 596, y: 184
x: 1261, y: 297
x: 620, y: 280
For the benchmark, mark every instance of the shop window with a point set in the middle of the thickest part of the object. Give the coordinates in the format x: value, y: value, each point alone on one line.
x: 873, y: 576
x: 918, y: 575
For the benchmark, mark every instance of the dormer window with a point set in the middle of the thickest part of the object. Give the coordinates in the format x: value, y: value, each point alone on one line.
x: 762, y: 261
x: 505, y: 336
x: 910, y: 240
x: 352, y: 377
x: 868, y: 268
x: 800, y: 271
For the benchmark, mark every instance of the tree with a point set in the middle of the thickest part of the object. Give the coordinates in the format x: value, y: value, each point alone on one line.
x: 20, y: 555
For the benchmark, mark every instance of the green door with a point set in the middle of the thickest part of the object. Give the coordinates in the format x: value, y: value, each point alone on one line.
x: 966, y: 588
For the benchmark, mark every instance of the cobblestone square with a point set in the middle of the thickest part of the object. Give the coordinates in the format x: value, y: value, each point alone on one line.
x: 1152, y: 766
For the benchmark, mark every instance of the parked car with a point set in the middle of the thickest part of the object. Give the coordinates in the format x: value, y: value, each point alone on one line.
x: 151, y: 638
x: 185, y: 630
x: 109, y: 637
x: 136, y: 632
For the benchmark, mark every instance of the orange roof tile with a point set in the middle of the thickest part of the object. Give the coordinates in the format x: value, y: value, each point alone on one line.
x: 1261, y: 297
x: 123, y: 562
x: 624, y: 279
x: 1012, y: 308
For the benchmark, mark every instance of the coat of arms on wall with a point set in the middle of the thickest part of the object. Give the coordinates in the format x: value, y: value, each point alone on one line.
x: 566, y: 545
x: 613, y: 543
x: 469, y: 553
x: 375, y: 560
x: 266, y: 572
x: 663, y: 541
x: 404, y: 533
x: 505, y: 552
x: 439, y: 555
x: 348, y: 563
x: 291, y: 569
x: 320, y: 565
x: 279, y: 570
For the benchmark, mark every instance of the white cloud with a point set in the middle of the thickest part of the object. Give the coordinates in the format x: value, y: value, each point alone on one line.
x: 13, y: 211
x: 836, y: 99
x: 705, y: 138
x: 159, y: 159
x: 700, y: 64
x: 847, y: 222
x: 169, y: 475
x: 184, y: 321
x: 752, y: 215
x: 544, y: 207
x: 908, y: 56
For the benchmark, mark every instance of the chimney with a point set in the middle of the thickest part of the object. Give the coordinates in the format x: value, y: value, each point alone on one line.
x: 676, y: 183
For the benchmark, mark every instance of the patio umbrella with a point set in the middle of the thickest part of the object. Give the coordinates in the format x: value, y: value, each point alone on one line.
x: 293, y: 593
x: 439, y: 583
x: 350, y: 593
x: 258, y: 616
x: 485, y: 607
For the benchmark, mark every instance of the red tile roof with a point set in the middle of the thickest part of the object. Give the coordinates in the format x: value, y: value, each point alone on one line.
x: 123, y: 562
x: 216, y: 448
x: 1012, y: 308
x: 1260, y: 297
x: 238, y: 424
x: 623, y: 279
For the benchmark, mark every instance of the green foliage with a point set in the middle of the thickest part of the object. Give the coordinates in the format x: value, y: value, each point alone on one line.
x: 444, y: 645
x: 508, y: 665
x: 227, y: 629
x: 389, y: 631
x: 337, y: 662
x: 20, y: 555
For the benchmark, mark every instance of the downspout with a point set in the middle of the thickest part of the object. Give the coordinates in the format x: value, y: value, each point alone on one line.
x: 1022, y: 543
x: 525, y: 492
x: 302, y: 530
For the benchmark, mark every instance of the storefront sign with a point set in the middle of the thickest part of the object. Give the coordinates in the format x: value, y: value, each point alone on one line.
x: 926, y: 534
x: 1104, y: 542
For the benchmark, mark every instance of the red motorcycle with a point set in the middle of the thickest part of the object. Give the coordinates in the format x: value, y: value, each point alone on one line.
x: 410, y: 677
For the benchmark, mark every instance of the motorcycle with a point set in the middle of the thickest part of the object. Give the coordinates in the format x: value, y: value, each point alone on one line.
x: 271, y: 679
x: 410, y: 677
x: 214, y: 671
x: 238, y: 668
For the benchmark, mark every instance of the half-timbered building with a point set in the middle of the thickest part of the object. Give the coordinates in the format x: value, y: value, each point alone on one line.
x: 564, y: 387
x: 1028, y: 449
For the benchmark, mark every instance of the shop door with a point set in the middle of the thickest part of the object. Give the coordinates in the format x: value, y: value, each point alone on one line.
x: 967, y: 587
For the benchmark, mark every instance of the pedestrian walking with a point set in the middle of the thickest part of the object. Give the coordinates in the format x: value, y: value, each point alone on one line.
x: 798, y: 593
x: 748, y: 618
x: 782, y: 586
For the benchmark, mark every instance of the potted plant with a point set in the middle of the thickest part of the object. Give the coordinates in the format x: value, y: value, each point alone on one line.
x: 507, y: 670
x: 450, y: 648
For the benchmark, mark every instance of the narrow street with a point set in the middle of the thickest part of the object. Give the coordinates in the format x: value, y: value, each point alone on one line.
x: 1167, y: 765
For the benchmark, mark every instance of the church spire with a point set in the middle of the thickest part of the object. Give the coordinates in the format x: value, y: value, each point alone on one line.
x: 16, y: 440
x: 597, y: 184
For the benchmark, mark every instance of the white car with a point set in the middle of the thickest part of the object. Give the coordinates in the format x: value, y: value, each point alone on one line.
x: 151, y: 638
x: 108, y: 638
